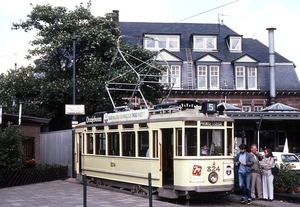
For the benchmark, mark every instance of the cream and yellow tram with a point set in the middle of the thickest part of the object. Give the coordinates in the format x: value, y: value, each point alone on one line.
x: 185, y: 146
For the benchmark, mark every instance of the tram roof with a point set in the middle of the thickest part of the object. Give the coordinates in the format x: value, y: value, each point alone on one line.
x: 266, y: 115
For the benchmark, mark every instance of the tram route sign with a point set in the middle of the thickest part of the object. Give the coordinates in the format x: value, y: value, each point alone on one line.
x: 209, y: 107
x: 74, y: 109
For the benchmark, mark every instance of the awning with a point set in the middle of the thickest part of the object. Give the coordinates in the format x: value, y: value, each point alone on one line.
x: 279, y: 107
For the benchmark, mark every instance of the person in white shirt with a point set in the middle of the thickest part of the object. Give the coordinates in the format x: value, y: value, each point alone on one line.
x: 267, y: 163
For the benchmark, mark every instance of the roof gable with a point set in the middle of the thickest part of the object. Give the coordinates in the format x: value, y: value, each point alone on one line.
x: 246, y: 59
x: 208, y: 58
x: 164, y: 55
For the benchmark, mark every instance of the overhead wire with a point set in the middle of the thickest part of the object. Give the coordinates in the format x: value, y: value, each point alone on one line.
x: 151, y: 66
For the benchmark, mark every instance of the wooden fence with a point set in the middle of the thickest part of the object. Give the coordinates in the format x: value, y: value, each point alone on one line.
x: 10, y: 178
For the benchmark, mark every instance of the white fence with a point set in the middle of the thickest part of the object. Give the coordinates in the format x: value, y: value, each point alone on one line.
x: 56, y: 148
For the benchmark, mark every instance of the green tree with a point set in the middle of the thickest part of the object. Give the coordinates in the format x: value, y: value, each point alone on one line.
x: 48, y: 86
x: 11, y: 151
x: 21, y: 85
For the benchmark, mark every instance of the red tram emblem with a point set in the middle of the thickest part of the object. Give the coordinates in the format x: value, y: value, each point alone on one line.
x: 197, y: 169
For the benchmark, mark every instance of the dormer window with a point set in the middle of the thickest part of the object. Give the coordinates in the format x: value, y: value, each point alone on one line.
x: 234, y: 43
x: 158, y: 42
x: 204, y: 43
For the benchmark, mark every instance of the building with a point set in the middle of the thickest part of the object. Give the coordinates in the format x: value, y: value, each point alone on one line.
x: 32, y: 128
x: 250, y: 81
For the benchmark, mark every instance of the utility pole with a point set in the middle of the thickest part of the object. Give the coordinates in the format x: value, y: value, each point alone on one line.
x: 74, y: 72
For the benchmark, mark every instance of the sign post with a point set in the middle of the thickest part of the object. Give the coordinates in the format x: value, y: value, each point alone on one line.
x: 72, y: 109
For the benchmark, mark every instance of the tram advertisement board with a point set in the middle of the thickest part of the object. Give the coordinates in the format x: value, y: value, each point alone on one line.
x: 197, y: 170
x: 127, y: 116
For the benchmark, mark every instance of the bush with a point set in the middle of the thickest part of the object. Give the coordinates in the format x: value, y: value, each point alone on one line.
x: 286, y: 179
x: 11, y: 151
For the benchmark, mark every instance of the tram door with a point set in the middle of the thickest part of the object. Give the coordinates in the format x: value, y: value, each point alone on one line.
x: 167, y: 156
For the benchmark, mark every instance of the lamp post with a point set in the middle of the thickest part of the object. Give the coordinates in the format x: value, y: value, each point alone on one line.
x: 74, y: 72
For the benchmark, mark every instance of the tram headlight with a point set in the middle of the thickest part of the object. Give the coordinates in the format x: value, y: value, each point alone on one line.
x: 213, y: 177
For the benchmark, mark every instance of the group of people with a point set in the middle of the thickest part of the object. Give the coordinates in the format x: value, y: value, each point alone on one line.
x: 254, y: 174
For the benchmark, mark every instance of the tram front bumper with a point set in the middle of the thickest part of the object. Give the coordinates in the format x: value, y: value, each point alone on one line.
x: 223, y: 188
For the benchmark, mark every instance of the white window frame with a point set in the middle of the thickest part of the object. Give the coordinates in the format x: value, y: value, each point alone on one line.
x: 174, y: 77
x: 252, y: 77
x: 165, y: 76
x: 240, y: 77
x: 235, y: 43
x: 158, y: 42
x: 258, y: 108
x: 214, y: 74
x: 205, y: 43
x: 203, y: 75
x: 246, y: 108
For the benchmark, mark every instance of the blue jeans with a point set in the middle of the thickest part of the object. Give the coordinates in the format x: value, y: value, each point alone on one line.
x: 245, y: 181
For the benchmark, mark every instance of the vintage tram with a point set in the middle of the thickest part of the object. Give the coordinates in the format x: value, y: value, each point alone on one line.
x: 186, y: 146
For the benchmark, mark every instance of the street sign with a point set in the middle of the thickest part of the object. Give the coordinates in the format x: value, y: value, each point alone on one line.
x: 75, y: 109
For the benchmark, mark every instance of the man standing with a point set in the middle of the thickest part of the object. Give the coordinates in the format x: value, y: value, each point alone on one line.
x: 244, y: 162
x: 256, y: 173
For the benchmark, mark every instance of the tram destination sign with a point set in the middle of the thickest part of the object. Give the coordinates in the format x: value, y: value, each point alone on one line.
x: 133, y: 115
x: 212, y: 123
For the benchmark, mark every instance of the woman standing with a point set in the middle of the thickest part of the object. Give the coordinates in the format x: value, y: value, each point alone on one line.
x: 267, y: 163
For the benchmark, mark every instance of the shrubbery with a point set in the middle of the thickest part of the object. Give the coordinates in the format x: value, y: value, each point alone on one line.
x: 286, y: 180
x: 11, y: 151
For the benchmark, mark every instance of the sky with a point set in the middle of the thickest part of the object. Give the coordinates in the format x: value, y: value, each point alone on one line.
x: 249, y: 18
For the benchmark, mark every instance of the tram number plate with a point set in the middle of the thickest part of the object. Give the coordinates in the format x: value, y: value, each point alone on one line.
x: 213, y: 168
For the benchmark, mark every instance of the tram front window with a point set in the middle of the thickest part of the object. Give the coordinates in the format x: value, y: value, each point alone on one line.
x: 191, y: 142
x: 211, y: 142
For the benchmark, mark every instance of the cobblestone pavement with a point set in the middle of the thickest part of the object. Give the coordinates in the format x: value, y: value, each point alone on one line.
x: 69, y: 193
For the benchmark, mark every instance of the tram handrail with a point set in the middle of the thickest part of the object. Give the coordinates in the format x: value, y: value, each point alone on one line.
x: 165, y: 110
x: 160, y: 159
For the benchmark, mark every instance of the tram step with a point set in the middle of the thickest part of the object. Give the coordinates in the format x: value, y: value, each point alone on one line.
x: 167, y: 193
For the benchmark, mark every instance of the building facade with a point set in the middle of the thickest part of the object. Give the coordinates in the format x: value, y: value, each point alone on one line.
x: 213, y: 62
x: 32, y: 128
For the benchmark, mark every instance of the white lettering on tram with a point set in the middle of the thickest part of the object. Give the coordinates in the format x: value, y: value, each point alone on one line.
x: 93, y: 119
x: 127, y: 116
x: 212, y: 123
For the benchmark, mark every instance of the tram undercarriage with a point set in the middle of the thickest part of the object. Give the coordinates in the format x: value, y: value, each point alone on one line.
x: 167, y: 191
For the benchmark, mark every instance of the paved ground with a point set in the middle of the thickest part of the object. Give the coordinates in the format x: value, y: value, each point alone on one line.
x: 68, y: 193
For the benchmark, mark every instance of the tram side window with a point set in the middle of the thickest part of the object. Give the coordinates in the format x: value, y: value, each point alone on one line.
x: 211, y: 142
x: 178, y: 142
x: 89, y: 143
x: 100, y: 143
x: 143, y: 143
x: 113, y: 143
x: 128, y: 142
x: 154, y: 144
x: 191, y: 142
x: 229, y: 142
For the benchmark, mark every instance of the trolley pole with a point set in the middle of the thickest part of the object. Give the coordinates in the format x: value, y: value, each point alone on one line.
x: 150, y: 189
x: 84, y: 190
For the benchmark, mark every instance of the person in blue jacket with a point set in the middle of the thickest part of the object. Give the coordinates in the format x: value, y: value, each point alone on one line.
x: 244, y: 161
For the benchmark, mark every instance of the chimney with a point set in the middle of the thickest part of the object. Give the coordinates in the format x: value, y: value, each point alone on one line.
x: 117, y: 17
x: 272, y: 99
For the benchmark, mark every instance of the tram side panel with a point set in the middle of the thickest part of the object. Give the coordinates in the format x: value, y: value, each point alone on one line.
x: 129, y: 170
